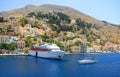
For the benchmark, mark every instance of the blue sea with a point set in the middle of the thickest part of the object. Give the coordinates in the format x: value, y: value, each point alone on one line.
x: 107, y: 65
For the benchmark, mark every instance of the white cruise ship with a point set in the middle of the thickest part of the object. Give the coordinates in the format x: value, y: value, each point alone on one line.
x: 47, y: 51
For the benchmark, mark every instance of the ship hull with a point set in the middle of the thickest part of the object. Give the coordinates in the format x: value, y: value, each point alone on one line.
x: 47, y: 54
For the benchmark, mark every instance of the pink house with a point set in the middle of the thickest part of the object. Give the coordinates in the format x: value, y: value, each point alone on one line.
x: 21, y: 44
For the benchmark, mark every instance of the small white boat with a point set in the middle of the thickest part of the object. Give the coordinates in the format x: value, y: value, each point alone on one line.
x: 86, y: 61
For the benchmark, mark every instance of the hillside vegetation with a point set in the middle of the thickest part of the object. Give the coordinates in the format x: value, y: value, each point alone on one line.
x: 62, y: 25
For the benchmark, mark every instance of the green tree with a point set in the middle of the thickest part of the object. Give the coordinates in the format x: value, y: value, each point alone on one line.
x: 11, y: 47
x: 102, y: 42
x: 0, y: 45
x: 1, y: 30
x: 1, y: 19
x: 28, y: 41
x: 4, y: 46
x: 64, y: 17
x: 31, y: 14
x: 10, y: 29
x: 45, y: 37
x: 27, y: 49
x: 24, y: 21
x: 59, y: 44
x: 35, y: 24
x: 78, y: 43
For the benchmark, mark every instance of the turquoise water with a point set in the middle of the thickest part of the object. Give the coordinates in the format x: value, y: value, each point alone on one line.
x: 107, y: 65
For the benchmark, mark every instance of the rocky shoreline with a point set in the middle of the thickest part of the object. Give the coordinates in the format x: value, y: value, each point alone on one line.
x: 25, y: 54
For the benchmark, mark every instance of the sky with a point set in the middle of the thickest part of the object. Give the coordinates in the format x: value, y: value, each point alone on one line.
x: 108, y: 10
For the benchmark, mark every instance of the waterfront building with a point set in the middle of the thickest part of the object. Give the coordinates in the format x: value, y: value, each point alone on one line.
x: 83, y: 49
x: 21, y: 44
x: 4, y: 38
x: 13, y: 39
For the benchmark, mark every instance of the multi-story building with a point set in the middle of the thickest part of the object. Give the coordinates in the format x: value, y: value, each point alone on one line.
x: 21, y: 44
x: 4, y: 38
x: 83, y: 49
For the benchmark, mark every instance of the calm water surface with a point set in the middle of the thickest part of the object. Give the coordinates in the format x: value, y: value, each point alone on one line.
x: 108, y: 65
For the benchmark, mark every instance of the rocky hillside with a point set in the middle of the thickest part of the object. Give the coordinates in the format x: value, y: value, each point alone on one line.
x: 65, y: 19
x: 48, y: 7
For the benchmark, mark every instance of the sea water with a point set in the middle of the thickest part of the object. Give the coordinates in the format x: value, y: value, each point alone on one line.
x: 107, y: 65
